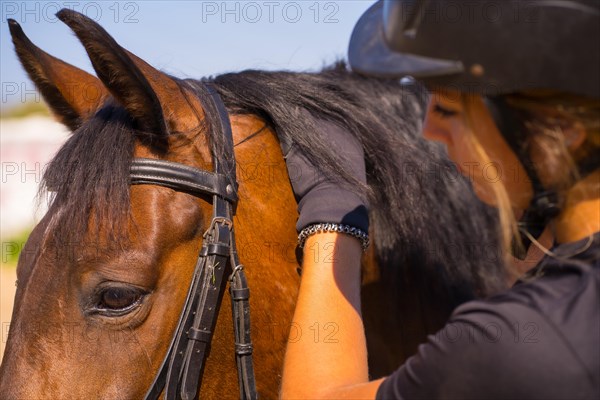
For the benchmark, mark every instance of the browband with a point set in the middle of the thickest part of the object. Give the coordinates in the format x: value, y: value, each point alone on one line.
x: 181, y: 178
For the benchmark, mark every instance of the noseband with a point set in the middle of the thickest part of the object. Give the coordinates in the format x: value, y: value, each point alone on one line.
x: 181, y: 371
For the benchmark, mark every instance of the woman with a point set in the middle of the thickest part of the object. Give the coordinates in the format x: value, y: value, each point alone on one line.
x: 526, y: 130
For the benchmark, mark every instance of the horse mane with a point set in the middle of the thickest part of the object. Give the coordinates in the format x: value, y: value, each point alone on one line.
x: 424, y: 214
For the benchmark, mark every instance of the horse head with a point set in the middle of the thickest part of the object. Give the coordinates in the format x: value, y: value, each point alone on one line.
x: 104, y: 275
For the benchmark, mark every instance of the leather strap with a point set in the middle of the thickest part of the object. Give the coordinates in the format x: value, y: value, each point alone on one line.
x: 172, y: 359
x: 240, y: 306
x: 210, y: 296
x: 225, y: 164
x: 176, y: 363
x: 181, y: 177
x: 180, y: 374
x: 243, y: 345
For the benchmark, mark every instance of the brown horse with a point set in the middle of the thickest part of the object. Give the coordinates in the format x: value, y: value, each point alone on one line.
x: 103, y: 276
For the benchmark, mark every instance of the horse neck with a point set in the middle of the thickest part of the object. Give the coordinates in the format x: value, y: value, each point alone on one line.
x: 266, y: 214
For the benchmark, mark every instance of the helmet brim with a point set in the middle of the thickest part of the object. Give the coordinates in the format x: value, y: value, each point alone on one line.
x: 369, y: 53
x: 555, y: 50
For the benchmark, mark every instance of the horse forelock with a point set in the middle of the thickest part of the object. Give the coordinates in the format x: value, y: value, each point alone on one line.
x: 88, y: 179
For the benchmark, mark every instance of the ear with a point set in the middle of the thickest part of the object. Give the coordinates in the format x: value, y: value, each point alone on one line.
x: 72, y: 94
x: 151, y: 97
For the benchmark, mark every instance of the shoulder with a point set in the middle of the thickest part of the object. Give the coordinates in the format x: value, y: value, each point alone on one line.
x: 500, y: 348
x: 552, y: 320
x: 561, y: 296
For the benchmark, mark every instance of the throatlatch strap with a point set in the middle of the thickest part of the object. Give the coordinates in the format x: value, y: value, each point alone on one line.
x: 240, y: 307
x: 243, y: 343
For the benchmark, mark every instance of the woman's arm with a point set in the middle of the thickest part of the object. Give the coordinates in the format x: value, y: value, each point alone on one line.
x: 327, y: 356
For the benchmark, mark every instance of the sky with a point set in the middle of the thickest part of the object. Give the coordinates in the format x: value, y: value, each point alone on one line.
x: 190, y: 38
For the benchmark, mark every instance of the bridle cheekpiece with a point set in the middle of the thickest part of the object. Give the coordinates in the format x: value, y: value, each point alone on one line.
x: 181, y: 371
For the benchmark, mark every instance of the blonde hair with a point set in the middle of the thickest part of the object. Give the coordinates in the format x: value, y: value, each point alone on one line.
x: 507, y: 223
x: 549, y: 114
x: 546, y: 115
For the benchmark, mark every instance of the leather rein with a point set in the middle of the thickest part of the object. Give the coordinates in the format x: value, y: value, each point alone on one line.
x: 181, y: 371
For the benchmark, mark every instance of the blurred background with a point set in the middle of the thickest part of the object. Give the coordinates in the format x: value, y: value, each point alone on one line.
x: 184, y: 38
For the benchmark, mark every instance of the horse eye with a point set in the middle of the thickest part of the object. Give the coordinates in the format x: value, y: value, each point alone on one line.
x: 118, y: 298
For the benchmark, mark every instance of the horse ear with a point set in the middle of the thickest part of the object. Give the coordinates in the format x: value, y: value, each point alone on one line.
x: 146, y: 93
x: 72, y: 94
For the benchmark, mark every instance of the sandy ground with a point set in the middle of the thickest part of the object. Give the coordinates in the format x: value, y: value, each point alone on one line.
x: 8, y: 276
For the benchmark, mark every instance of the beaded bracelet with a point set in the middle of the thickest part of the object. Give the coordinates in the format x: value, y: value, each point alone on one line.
x: 331, y: 227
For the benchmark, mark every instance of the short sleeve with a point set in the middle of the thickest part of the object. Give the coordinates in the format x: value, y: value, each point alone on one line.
x: 484, y: 353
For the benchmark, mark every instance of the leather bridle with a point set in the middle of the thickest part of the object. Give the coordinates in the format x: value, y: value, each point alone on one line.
x: 181, y: 371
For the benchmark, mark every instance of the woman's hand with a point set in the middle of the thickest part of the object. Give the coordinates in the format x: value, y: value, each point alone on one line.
x: 326, y: 355
x: 323, y: 200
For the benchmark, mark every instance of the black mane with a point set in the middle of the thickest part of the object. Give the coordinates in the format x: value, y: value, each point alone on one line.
x: 424, y: 214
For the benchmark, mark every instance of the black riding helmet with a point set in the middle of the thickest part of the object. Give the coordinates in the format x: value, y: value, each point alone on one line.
x: 491, y: 48
x: 483, y: 46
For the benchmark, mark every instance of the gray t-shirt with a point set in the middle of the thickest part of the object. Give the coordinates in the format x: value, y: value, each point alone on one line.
x: 538, y: 340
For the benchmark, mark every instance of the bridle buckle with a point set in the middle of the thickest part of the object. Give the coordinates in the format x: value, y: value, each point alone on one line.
x: 235, y: 271
x: 218, y: 220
